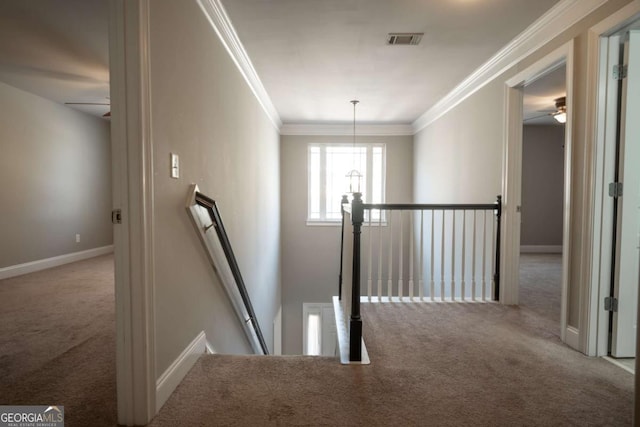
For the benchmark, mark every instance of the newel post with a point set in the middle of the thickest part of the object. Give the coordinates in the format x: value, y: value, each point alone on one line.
x: 344, y: 201
x: 355, y: 323
x: 496, y: 273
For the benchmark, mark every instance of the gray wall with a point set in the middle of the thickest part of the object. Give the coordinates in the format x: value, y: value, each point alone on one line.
x: 203, y: 110
x: 458, y: 158
x: 310, y: 254
x: 542, y: 185
x: 55, y: 170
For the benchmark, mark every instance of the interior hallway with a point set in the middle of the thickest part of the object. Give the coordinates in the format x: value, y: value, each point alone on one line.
x: 432, y: 364
x: 452, y: 364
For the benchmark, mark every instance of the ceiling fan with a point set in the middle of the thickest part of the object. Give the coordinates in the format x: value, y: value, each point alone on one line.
x: 107, y: 114
x: 559, y: 114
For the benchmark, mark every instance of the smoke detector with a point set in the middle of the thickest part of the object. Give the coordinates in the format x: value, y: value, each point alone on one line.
x: 404, y: 38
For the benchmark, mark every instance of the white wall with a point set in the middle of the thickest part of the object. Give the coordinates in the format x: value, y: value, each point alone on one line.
x: 458, y: 158
x: 55, y: 170
x: 203, y: 110
x: 542, y: 185
x: 311, y: 254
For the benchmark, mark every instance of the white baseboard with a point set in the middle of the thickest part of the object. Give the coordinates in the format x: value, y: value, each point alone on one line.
x: 169, y: 380
x: 43, y: 264
x: 619, y: 365
x: 572, y: 338
x: 541, y: 249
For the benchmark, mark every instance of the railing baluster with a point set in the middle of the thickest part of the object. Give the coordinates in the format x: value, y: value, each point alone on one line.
x: 380, y: 256
x: 370, y: 266
x: 390, y: 272
x: 421, y: 280
x: 463, y: 289
x: 493, y: 254
x: 400, y: 259
x: 442, y: 261
x: 411, y: 255
x: 496, y: 268
x: 453, y: 255
x: 473, y: 257
x: 355, y: 321
x: 484, y: 255
x: 432, y: 284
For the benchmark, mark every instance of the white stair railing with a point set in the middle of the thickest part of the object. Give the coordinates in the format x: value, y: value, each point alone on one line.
x: 455, y: 246
x: 431, y: 252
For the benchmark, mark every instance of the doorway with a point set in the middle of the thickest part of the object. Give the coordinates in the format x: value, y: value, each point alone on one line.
x: 543, y: 142
x: 561, y: 58
x: 618, y: 210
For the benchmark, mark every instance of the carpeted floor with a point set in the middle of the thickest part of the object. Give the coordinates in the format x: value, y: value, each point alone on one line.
x: 432, y: 364
x: 541, y: 290
x: 57, y: 341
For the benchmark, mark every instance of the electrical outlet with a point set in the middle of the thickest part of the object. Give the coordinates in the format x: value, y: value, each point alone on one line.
x: 77, y: 238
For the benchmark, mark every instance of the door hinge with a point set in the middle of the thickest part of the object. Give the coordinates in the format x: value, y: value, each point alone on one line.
x: 615, y: 189
x: 611, y: 304
x: 619, y: 72
x: 116, y: 216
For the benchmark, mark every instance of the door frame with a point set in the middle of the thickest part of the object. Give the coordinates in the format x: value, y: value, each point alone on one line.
x: 132, y: 192
x: 599, y: 101
x: 512, y: 181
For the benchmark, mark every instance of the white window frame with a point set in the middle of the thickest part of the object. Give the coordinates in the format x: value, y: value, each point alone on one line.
x: 367, y: 184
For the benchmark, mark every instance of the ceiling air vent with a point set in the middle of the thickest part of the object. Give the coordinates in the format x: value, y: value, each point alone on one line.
x: 404, y: 38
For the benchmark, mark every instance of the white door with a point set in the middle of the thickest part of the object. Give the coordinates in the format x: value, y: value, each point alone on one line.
x: 623, y: 342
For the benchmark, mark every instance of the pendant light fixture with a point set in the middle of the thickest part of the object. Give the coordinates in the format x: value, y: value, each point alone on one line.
x: 354, y: 175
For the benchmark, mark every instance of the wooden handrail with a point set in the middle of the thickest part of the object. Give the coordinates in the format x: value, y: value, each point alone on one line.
x: 211, y: 207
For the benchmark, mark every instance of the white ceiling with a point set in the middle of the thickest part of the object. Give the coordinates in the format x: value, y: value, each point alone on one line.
x: 313, y: 56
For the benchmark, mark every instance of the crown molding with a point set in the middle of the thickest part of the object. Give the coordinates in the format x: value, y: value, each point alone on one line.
x: 556, y: 20
x: 219, y: 20
x: 346, y: 129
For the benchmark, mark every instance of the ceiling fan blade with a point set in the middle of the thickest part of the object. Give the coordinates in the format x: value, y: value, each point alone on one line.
x: 86, y: 103
x: 537, y: 117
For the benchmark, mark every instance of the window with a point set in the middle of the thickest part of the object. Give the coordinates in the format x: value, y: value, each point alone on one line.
x: 328, y: 167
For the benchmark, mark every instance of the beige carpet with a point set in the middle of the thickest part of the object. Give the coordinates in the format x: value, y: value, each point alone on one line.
x: 451, y: 364
x: 432, y: 365
x: 541, y: 290
x: 57, y: 341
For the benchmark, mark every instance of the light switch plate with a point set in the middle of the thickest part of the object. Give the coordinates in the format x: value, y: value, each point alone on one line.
x: 175, y: 166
